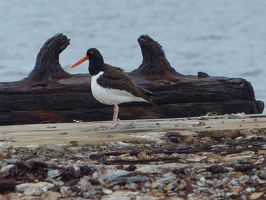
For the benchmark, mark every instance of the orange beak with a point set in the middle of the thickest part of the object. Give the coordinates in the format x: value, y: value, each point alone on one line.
x: 80, y: 61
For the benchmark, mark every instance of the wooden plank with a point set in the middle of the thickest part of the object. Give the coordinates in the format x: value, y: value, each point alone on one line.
x: 128, y: 130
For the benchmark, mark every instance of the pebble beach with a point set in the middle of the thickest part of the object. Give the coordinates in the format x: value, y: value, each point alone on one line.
x: 207, y: 157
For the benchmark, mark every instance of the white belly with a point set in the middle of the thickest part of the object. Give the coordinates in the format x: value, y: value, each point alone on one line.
x: 110, y: 96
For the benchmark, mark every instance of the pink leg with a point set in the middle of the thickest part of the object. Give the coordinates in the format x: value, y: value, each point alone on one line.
x: 115, y: 117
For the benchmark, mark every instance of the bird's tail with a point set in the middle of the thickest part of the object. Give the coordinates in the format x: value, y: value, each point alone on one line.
x: 147, y: 95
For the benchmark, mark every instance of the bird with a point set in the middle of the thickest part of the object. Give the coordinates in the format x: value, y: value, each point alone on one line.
x: 111, y: 85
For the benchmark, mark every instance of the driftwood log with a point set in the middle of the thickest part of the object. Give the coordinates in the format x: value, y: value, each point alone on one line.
x: 49, y: 94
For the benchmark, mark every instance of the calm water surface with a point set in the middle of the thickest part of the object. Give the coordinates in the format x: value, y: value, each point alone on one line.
x: 222, y: 38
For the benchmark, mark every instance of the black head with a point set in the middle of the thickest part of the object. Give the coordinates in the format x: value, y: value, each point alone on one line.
x: 96, y: 61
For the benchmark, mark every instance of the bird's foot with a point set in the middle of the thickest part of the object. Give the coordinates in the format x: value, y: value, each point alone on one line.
x: 112, y: 125
x: 115, y: 120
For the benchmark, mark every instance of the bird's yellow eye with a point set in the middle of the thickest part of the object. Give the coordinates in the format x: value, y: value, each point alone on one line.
x: 91, y: 52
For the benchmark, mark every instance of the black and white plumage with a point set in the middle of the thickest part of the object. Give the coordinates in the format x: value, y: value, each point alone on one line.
x: 111, y: 85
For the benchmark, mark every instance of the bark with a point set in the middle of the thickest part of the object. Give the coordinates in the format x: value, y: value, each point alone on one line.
x: 49, y: 94
x: 47, y: 65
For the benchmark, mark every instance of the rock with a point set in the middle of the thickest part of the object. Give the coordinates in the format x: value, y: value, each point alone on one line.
x: 137, y: 179
x: 6, y: 170
x: 202, y: 179
x: 11, y: 196
x: 182, y: 185
x: 107, y: 191
x: 116, y: 187
x: 133, y: 186
x: 53, y: 173
x: 249, y: 190
x: 196, y: 159
x: 256, y: 195
x: 166, y: 180
x: 49, y: 195
x: 168, y: 187
x: 33, y: 191
x: 155, y: 185
x: 11, y: 161
x: 262, y: 174
x: 103, y: 183
x: 64, y: 190
x: 233, y: 183
x: 35, y: 187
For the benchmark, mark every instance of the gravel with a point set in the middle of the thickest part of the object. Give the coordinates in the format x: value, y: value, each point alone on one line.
x: 177, y: 165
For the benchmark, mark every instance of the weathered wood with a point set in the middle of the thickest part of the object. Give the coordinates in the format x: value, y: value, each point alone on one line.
x: 49, y: 94
x: 154, y: 65
x: 47, y: 65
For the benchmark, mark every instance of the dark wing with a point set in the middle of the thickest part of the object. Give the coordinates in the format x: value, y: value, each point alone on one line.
x: 116, y: 78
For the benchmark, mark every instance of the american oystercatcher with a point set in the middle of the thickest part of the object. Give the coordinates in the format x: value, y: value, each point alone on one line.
x: 111, y: 85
